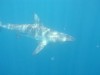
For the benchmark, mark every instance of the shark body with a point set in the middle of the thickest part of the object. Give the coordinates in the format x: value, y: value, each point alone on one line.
x: 41, y: 33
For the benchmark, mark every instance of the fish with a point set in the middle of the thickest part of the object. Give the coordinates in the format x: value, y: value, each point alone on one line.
x: 39, y: 32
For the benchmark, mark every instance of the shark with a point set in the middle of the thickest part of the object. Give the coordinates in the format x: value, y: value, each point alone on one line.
x: 39, y: 32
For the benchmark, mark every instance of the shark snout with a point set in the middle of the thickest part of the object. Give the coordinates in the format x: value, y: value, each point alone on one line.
x: 68, y: 38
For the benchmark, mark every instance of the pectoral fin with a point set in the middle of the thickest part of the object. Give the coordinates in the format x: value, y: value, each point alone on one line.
x: 40, y: 47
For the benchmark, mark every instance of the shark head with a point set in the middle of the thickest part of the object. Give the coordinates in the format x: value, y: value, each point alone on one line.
x: 54, y: 36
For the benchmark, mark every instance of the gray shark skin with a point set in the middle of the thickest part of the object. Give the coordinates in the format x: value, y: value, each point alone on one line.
x: 39, y: 32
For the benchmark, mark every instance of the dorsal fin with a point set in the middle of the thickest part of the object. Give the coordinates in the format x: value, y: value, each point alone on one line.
x: 36, y: 19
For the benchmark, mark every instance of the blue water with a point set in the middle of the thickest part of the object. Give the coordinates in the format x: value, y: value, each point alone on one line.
x: 79, y: 18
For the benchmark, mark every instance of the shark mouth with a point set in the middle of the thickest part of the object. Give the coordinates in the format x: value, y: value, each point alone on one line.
x: 39, y: 32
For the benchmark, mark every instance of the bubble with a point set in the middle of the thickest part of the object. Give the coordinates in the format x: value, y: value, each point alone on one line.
x: 98, y: 46
x: 53, y: 58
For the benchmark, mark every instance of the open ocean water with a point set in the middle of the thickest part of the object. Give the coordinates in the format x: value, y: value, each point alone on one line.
x: 78, y: 18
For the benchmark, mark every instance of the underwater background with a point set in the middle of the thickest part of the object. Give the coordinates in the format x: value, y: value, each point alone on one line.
x: 78, y: 18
